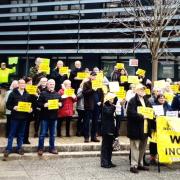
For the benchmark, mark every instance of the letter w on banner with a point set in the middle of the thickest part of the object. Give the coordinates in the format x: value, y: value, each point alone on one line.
x: 168, y: 139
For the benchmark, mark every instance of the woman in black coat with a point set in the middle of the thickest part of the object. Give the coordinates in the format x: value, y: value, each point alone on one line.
x: 108, y: 131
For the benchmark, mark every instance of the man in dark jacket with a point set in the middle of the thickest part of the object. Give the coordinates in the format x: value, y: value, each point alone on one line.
x: 90, y: 98
x: 75, y: 83
x: 48, y: 116
x: 19, y: 117
x: 57, y: 76
x: 176, y: 102
x: 137, y: 129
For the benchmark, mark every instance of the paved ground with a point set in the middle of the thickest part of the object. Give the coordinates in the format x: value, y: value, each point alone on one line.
x: 79, y: 169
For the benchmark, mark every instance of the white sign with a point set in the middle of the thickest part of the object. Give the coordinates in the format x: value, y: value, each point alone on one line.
x: 114, y: 86
x: 158, y: 110
x: 172, y: 113
x: 133, y: 62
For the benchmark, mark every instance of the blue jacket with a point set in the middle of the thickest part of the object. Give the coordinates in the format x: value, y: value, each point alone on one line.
x: 176, y: 103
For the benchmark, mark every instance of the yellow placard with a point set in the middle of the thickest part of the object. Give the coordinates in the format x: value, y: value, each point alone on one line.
x: 24, y: 106
x: 175, y: 88
x: 133, y: 80
x: 44, y: 68
x: 69, y: 92
x: 120, y: 65
x: 13, y: 60
x: 168, y: 139
x: 148, y: 91
x: 82, y: 75
x: 159, y: 84
x: 100, y: 76
x: 64, y: 70
x: 147, y: 112
x: 105, y: 89
x: 121, y: 94
x: 169, y: 97
x: 97, y: 84
x: 123, y: 79
x: 31, y: 89
x: 53, y: 104
x: 141, y: 72
x: 45, y: 61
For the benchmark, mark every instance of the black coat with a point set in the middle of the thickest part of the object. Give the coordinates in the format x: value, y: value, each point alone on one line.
x: 176, y: 103
x: 88, y: 94
x: 107, y: 122
x: 135, y: 121
x: 59, y: 79
x: 75, y: 83
x: 13, y: 100
x: 43, y: 98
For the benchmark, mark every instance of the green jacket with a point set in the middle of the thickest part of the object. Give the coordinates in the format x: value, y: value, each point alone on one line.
x: 4, y: 74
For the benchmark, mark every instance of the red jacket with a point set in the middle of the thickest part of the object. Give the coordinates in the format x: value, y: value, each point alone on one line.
x: 67, y: 109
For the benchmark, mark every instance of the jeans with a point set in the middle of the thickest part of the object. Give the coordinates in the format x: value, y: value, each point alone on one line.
x: 86, y: 123
x: 45, y: 125
x: 17, y: 127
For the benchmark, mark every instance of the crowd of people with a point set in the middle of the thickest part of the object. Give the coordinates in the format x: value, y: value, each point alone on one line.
x: 91, y: 104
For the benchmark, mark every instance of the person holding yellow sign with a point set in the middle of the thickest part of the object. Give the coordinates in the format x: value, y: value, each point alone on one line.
x: 19, y: 114
x: 67, y: 111
x: 49, y: 102
x: 137, y: 129
x: 58, y: 76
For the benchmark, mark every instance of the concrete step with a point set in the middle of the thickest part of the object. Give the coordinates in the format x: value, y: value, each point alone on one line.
x: 47, y: 155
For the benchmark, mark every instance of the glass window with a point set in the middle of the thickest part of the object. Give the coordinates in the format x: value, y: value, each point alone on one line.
x: 166, y: 69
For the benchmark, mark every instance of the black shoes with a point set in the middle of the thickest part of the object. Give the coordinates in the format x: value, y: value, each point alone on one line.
x: 95, y: 140
x: 20, y: 152
x: 53, y: 151
x: 86, y: 140
x: 26, y: 142
x: 108, y: 166
x: 6, y: 153
x: 40, y: 152
x: 134, y: 170
x: 143, y: 168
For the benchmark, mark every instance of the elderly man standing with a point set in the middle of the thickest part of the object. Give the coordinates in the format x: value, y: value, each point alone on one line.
x: 49, y: 103
x: 138, y: 129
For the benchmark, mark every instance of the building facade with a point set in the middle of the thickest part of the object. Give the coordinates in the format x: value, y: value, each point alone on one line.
x: 70, y: 30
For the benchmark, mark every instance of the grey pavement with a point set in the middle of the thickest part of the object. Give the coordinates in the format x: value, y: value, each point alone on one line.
x: 79, y: 169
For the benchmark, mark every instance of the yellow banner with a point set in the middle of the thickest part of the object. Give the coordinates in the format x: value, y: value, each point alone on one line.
x: 175, y: 88
x: 168, y: 139
x: 24, y: 106
x: 123, y: 79
x: 64, y: 70
x: 141, y: 72
x: 133, y: 80
x: 44, y: 68
x: 53, y: 104
x: 100, y: 76
x: 97, y: 84
x: 120, y: 65
x: 147, y: 112
x: 31, y: 89
x: 69, y: 92
x: 82, y: 75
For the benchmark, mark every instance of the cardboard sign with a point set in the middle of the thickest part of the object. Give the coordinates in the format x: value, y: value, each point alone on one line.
x: 69, y: 92
x: 45, y: 61
x: 133, y: 62
x: 141, y: 72
x: 53, y: 104
x: 97, y: 84
x: 64, y: 70
x: 114, y: 86
x: 31, y: 89
x: 44, y: 68
x: 12, y: 60
x: 24, y: 106
x: 169, y: 97
x: 172, y: 113
x: 123, y: 79
x: 120, y: 65
x: 82, y: 75
x: 133, y: 80
x: 147, y: 112
x: 175, y: 88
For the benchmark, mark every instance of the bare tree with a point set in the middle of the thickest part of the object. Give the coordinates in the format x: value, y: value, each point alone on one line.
x: 153, y: 17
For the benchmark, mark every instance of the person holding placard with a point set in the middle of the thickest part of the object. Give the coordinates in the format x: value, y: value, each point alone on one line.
x: 4, y: 74
x: 19, y: 116
x: 34, y: 72
x: 176, y: 102
x: 138, y: 129
x: 49, y: 102
x: 75, y: 82
x: 67, y: 111
x: 58, y: 76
